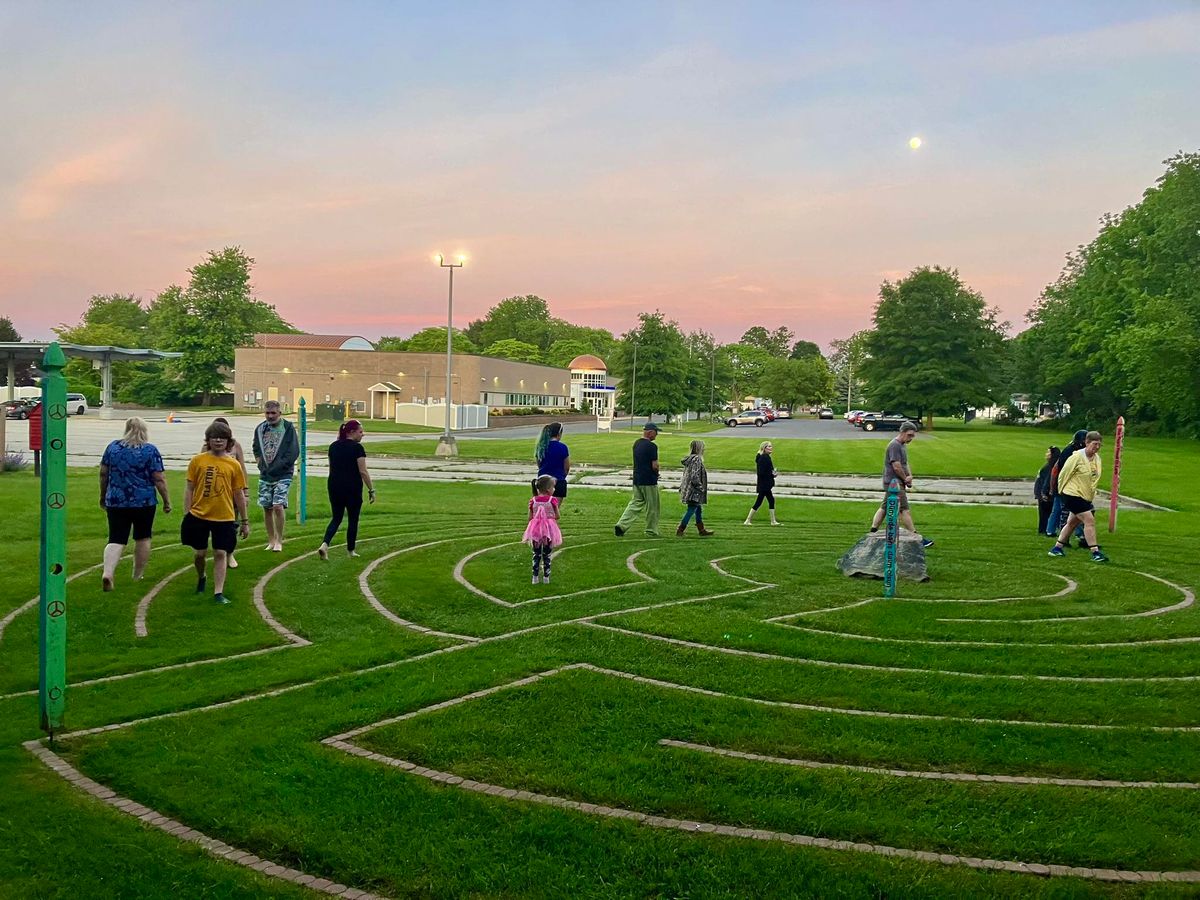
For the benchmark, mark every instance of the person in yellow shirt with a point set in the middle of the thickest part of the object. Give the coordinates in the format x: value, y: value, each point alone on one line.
x: 1077, y: 481
x: 214, y: 502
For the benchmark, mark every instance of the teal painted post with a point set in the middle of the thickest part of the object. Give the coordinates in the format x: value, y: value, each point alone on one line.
x: 891, y: 534
x: 302, y: 512
x: 52, y: 603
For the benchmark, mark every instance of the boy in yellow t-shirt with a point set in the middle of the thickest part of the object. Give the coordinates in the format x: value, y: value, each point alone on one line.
x: 213, y: 504
x: 1077, y: 482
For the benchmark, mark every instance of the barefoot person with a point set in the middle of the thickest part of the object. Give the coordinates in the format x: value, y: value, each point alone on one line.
x: 347, y: 475
x: 895, y: 468
x: 131, y: 480
x: 1077, y: 481
x: 645, y: 484
x: 276, y: 449
x: 214, y: 503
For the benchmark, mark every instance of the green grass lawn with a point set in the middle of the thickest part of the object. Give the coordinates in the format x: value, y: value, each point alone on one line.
x: 377, y: 426
x: 672, y: 689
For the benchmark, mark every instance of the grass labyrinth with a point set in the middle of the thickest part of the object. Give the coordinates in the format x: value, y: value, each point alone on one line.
x: 717, y: 717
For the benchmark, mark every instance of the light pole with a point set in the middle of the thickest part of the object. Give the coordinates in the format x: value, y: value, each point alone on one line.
x: 446, y: 444
x: 712, y: 391
x: 633, y: 397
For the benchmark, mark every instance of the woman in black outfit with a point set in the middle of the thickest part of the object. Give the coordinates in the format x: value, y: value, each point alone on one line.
x: 766, y: 481
x: 347, y: 474
x: 1044, y: 489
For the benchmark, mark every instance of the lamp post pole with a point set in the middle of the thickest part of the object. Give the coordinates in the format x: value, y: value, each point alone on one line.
x: 446, y: 444
x: 633, y: 397
x: 712, y: 391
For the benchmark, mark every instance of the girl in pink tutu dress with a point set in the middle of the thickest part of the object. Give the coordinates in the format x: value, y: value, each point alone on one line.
x: 542, y: 532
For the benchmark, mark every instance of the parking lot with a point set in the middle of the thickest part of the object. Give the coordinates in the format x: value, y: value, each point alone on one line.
x: 805, y: 427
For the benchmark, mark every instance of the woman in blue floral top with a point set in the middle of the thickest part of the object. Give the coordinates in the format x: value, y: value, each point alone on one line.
x: 131, y: 479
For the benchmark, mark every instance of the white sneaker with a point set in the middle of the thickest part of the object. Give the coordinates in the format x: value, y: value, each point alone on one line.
x: 747, y: 522
x: 323, y: 551
x: 536, y: 580
x: 545, y: 579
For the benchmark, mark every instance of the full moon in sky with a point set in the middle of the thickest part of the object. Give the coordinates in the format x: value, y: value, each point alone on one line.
x: 914, y: 143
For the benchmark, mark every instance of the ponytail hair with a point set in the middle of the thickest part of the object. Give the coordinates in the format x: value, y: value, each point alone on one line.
x: 348, y: 426
x: 549, y: 432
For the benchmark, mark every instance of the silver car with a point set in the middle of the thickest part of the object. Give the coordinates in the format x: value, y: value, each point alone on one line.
x: 755, y: 417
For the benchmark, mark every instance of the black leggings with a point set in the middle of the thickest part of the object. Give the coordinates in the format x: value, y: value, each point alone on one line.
x: 769, y: 497
x: 349, y: 506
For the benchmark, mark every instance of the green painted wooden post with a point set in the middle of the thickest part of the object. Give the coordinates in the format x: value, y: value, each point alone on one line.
x: 891, y: 534
x: 52, y: 606
x: 302, y: 511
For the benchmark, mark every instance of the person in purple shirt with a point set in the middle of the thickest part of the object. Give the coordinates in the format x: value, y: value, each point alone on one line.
x: 552, y: 458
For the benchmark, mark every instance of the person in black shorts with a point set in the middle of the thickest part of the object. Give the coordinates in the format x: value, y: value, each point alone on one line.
x: 131, y: 480
x: 214, y: 500
x: 347, y: 474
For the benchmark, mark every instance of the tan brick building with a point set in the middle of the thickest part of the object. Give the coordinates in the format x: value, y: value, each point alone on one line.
x: 338, y: 368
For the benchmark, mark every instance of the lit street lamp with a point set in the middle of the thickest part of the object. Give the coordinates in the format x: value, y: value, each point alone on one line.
x: 446, y: 444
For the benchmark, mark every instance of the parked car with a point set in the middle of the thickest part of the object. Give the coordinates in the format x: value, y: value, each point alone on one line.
x: 887, y: 421
x: 857, y: 419
x: 76, y: 404
x: 769, y: 412
x: 18, y: 409
x: 753, y: 417
x: 825, y: 413
x: 783, y: 413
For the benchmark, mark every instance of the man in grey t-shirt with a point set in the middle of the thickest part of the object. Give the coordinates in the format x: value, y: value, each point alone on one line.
x: 895, y: 468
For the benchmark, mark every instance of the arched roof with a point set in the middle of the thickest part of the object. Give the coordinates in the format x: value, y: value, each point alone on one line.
x: 587, y: 361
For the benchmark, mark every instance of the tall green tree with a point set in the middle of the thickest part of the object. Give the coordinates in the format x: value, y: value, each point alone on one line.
x: 391, y: 343
x: 936, y: 347
x: 563, y: 350
x: 797, y: 382
x: 515, y: 350
x: 748, y: 364
x: 433, y: 340
x: 8, y: 332
x: 117, y: 320
x: 846, y: 358
x: 804, y: 350
x: 775, y: 343
x: 215, y: 314
x: 514, y: 318
x: 709, y: 372
x: 661, y: 367
x: 1119, y: 330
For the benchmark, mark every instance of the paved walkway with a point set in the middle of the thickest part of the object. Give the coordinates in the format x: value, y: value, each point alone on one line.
x: 89, y: 435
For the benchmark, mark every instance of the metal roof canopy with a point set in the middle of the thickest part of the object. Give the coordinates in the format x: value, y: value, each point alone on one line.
x: 33, y: 351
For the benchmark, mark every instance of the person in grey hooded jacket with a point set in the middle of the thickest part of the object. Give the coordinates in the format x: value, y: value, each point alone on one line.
x: 276, y: 449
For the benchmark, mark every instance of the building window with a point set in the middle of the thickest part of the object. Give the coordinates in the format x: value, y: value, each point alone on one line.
x: 360, y: 406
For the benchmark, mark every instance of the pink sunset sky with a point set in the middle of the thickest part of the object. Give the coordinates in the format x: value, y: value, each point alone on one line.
x: 730, y: 167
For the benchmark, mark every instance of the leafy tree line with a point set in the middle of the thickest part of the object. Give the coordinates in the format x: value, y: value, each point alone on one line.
x: 1119, y: 332
x: 206, y: 320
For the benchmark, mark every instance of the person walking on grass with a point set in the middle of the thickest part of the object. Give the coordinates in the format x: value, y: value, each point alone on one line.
x: 347, y: 475
x: 214, y: 502
x: 764, y: 466
x: 693, y: 489
x: 552, y: 458
x: 542, y: 533
x: 895, y: 468
x: 131, y: 480
x: 276, y: 449
x: 1077, y: 481
x: 1042, y: 492
x: 234, y: 449
x: 1058, y: 512
x: 645, y: 484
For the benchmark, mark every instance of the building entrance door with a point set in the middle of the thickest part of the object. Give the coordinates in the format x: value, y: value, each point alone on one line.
x: 307, y: 394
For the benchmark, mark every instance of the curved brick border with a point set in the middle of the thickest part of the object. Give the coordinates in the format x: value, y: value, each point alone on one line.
x: 869, y: 667
x: 212, y: 846
x: 1189, y: 598
x: 930, y: 775
x: 462, y: 579
x: 139, y: 619
x: 342, y: 742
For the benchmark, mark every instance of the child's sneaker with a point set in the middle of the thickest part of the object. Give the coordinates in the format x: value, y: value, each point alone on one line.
x: 536, y: 580
x: 221, y: 599
x: 1098, y: 555
x: 545, y: 579
x: 1056, y: 550
x: 926, y: 543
